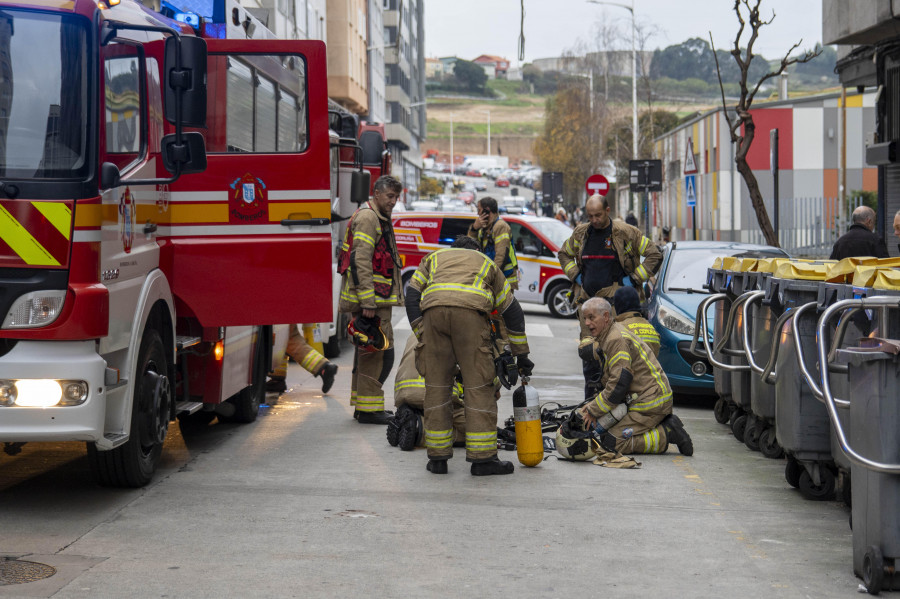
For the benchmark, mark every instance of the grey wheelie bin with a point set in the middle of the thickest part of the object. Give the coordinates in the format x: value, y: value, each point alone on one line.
x: 801, y: 422
x: 872, y: 442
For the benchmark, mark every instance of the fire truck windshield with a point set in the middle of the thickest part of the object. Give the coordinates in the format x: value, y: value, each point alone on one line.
x: 43, y: 96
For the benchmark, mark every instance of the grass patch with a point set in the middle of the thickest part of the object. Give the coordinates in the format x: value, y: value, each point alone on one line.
x: 442, y: 128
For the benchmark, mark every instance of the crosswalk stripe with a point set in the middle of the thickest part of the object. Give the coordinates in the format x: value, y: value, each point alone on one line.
x: 531, y: 329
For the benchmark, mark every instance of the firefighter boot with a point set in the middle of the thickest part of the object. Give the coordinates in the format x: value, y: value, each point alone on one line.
x: 327, y: 373
x: 676, y: 434
x: 437, y: 466
x: 381, y: 417
x: 492, y: 466
x: 393, y: 430
x: 276, y: 384
x: 411, y: 429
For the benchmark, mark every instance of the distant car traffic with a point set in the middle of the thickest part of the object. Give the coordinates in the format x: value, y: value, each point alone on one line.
x: 466, y: 196
x: 674, y: 298
x: 502, y: 182
x: 480, y: 186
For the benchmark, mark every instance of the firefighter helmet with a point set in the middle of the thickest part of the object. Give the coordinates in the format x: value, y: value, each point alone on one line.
x: 366, y: 334
x: 573, y: 442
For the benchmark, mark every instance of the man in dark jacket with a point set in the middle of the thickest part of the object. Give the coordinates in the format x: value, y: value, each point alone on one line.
x: 860, y: 240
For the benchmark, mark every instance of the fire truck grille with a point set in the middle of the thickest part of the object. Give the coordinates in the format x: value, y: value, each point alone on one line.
x: 19, y: 572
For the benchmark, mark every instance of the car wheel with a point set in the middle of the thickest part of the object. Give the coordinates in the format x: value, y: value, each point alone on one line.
x: 558, y: 301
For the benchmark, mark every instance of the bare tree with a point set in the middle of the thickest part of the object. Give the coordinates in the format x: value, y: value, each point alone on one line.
x: 742, y: 116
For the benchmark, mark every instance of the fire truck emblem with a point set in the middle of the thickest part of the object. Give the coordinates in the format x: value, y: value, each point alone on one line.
x: 127, y: 211
x: 162, y: 198
x: 248, y: 201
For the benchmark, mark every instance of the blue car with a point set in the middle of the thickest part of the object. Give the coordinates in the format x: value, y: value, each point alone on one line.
x: 673, y: 301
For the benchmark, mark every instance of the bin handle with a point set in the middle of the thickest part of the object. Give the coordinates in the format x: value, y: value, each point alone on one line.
x: 769, y: 374
x: 801, y: 359
x: 700, y: 324
x: 701, y: 317
x: 830, y: 404
x: 745, y: 332
x: 730, y: 325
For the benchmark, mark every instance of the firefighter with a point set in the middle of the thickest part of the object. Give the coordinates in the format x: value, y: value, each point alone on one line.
x: 493, y: 236
x: 303, y: 354
x: 627, y: 304
x: 448, y: 301
x: 602, y: 254
x: 409, y: 400
x: 631, y: 375
x: 370, y: 287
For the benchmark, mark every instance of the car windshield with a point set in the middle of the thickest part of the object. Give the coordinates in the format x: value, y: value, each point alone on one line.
x: 553, y: 230
x: 687, y: 267
x: 43, y: 96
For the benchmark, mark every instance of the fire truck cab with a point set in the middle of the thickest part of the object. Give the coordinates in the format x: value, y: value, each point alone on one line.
x: 164, y: 202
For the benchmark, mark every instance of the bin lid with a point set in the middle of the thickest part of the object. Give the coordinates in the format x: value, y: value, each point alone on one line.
x: 749, y: 264
x: 731, y: 263
x: 845, y: 270
x: 770, y: 265
x: 802, y: 271
x: 887, y: 279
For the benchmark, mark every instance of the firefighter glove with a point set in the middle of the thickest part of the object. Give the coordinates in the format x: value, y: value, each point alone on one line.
x: 586, y: 349
x: 525, y: 365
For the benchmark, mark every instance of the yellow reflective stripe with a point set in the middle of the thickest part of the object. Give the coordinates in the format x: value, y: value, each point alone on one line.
x: 622, y: 355
x: 498, y: 301
x: 59, y: 215
x: 438, y: 439
x: 391, y: 299
x: 651, y: 442
x: 22, y: 243
x: 360, y: 236
x: 517, y: 339
x: 643, y: 406
x: 481, y: 441
x: 570, y: 266
x: 501, y: 237
x: 457, y: 388
x: 644, y: 243
x: 419, y: 277
x: 601, y: 403
x: 641, y: 272
x: 366, y: 293
x: 657, y: 375
x: 382, y: 278
x: 312, y: 360
x: 409, y: 384
x: 457, y: 287
x: 370, y: 403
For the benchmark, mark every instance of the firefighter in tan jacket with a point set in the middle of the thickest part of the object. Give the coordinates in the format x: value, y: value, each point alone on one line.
x: 599, y: 255
x: 370, y: 287
x: 631, y: 375
x: 494, y: 240
x: 448, y: 302
x: 628, y: 313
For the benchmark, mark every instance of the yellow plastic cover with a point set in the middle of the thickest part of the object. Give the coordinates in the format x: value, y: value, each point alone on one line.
x: 731, y: 263
x: 717, y: 264
x: 887, y: 279
x: 845, y: 271
x: 770, y: 264
x: 802, y: 271
x: 749, y: 264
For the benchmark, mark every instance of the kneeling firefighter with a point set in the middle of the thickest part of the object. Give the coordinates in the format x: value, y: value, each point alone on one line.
x: 406, y: 427
x: 634, y: 408
x: 448, y: 302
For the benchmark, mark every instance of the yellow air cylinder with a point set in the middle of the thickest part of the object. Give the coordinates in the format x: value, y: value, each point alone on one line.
x: 527, y: 415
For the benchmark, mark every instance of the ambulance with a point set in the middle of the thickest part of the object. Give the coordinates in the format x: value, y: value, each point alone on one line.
x: 536, y: 240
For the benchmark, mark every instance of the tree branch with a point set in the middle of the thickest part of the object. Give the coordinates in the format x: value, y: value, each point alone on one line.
x: 731, y: 128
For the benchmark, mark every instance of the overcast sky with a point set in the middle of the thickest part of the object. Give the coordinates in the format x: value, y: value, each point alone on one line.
x: 468, y: 28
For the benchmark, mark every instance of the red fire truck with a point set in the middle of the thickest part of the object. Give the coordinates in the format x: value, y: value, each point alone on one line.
x: 164, y: 202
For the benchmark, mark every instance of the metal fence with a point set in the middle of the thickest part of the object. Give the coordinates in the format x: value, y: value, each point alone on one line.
x: 808, y: 227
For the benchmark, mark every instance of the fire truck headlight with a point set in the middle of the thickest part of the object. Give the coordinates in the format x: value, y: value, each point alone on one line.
x: 7, y: 392
x: 35, y: 309
x: 38, y: 393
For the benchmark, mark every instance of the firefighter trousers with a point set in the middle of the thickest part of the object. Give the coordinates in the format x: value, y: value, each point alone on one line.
x: 371, y: 369
x: 641, y: 432
x: 302, y: 353
x: 451, y: 336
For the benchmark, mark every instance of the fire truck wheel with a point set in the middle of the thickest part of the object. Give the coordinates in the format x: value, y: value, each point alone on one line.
x: 133, y: 463
x: 246, y: 402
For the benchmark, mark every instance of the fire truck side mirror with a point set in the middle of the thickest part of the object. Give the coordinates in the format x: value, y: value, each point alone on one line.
x: 189, y: 77
x: 359, y: 186
x: 186, y: 157
x: 109, y: 175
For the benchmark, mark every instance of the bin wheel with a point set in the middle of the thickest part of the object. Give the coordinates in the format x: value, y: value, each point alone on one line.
x: 738, y: 426
x: 792, y: 472
x: 873, y: 570
x: 722, y: 411
x: 820, y: 492
x: 751, y: 433
x: 769, y: 446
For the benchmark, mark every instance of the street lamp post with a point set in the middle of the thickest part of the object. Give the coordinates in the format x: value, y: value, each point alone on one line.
x: 634, y: 118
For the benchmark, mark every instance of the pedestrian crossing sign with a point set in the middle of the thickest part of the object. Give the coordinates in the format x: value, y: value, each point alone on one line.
x: 690, y: 190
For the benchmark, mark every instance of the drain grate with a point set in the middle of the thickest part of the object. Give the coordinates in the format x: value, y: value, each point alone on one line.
x: 19, y: 572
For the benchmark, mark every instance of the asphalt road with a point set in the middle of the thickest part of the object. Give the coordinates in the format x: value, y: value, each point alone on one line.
x: 306, y: 502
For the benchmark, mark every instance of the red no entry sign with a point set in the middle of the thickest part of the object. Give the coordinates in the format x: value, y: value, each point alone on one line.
x: 597, y: 184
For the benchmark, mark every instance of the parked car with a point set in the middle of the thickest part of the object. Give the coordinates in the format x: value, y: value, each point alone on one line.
x: 502, y: 182
x: 673, y: 301
x: 466, y: 196
x: 480, y: 186
x: 536, y: 240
